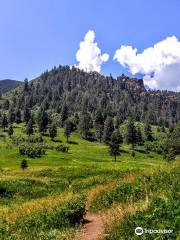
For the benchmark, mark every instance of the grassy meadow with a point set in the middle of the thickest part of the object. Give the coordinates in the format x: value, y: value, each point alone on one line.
x: 50, y: 198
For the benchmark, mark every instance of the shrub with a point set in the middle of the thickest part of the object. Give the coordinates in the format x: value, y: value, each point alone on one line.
x: 169, y: 154
x: 155, y: 146
x: 24, y: 164
x: 32, y: 150
x: 5, y: 193
x: 67, y: 215
x: 62, y: 148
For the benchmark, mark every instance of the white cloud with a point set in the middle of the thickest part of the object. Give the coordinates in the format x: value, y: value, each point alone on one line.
x: 89, y: 54
x: 160, y: 64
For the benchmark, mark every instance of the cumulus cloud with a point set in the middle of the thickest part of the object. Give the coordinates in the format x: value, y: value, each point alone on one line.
x: 160, y: 64
x: 89, y: 54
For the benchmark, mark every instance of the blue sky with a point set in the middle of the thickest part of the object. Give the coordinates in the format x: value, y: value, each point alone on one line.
x: 35, y: 35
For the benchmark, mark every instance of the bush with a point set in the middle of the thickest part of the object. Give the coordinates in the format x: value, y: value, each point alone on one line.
x: 67, y: 215
x: 24, y: 164
x: 5, y: 193
x: 62, y: 148
x: 155, y: 146
x: 170, y: 155
x: 32, y: 150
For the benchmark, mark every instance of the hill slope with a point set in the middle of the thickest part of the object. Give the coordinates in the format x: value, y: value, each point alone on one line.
x: 123, y: 97
x: 8, y: 85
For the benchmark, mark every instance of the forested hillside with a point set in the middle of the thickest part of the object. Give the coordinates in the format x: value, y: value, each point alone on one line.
x: 71, y: 89
x: 8, y: 85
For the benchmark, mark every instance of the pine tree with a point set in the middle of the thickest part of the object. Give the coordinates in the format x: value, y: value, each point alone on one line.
x: 117, y: 122
x: 10, y: 131
x: 29, y: 128
x: 11, y: 116
x: 172, y: 144
x: 26, y: 114
x: 43, y: 121
x: 114, y: 144
x: 140, y: 140
x: 26, y: 85
x: 85, y: 125
x: 108, y: 129
x: 131, y: 134
x: 67, y: 129
x: 18, y: 116
x: 64, y: 114
x: 4, y: 122
x: 99, y: 125
x: 53, y: 131
x: 148, y: 132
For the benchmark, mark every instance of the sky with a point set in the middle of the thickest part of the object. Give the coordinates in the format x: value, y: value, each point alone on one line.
x: 134, y: 37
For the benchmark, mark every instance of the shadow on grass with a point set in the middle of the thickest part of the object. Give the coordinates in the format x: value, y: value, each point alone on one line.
x: 141, y: 151
x: 2, y: 135
x: 123, y: 151
x: 56, y: 140
x: 72, y: 142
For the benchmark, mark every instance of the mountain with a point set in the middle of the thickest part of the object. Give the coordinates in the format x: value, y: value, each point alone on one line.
x: 79, y: 91
x: 8, y: 85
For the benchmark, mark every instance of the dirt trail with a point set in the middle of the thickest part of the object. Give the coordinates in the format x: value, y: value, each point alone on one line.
x: 92, y: 228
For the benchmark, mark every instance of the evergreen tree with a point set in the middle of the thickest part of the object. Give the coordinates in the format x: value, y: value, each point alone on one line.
x: 26, y: 85
x: 4, y: 122
x: 10, y: 131
x: 29, y: 128
x: 43, y: 121
x: 114, y: 144
x: 18, y: 116
x: 11, y: 116
x: 140, y: 140
x: 76, y: 119
x: 99, y: 125
x: 68, y: 127
x: 108, y: 129
x: 148, y: 132
x: 64, y: 114
x: 172, y: 144
x: 84, y: 126
x: 131, y: 134
x: 117, y: 122
x: 26, y: 115
x: 53, y: 131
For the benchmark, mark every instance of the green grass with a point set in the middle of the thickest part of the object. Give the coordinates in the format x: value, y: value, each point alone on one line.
x: 81, y: 152
x: 49, y: 179
x: 162, y: 210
